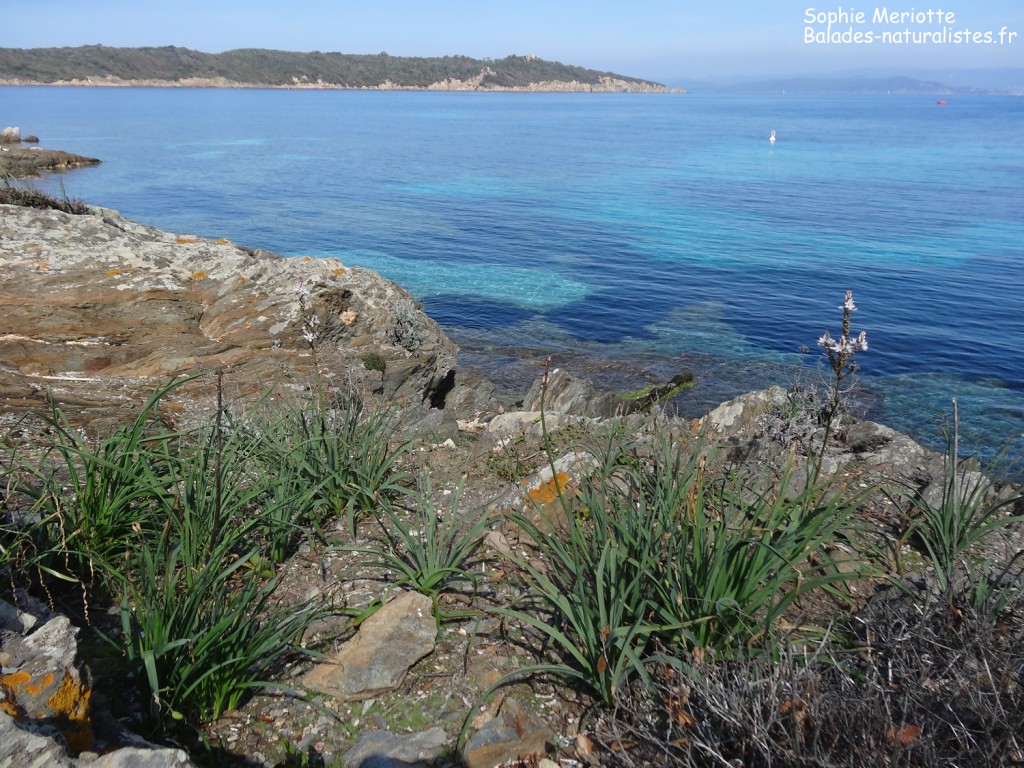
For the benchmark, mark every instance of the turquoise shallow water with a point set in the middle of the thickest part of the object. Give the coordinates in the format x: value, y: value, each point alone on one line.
x: 630, y: 236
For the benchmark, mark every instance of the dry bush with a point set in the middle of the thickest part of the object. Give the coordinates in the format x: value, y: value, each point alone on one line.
x: 922, y: 686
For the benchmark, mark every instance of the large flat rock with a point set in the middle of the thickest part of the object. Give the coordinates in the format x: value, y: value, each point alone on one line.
x: 98, y: 310
x: 17, y: 160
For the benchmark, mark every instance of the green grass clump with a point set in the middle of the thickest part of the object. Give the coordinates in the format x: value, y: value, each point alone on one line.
x: 969, y: 511
x: 430, y: 548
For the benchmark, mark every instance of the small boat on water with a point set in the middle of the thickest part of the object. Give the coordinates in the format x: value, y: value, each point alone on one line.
x: 771, y: 138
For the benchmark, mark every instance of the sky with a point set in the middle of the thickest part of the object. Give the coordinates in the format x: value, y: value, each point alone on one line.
x: 663, y: 40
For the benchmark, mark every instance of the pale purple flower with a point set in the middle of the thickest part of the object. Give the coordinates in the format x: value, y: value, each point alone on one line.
x: 848, y: 305
x: 310, y: 328
x: 829, y: 343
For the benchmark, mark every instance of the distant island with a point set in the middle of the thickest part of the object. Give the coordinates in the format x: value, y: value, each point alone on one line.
x: 171, y: 66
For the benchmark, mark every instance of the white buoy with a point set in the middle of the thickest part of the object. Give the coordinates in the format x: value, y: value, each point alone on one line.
x: 772, y: 137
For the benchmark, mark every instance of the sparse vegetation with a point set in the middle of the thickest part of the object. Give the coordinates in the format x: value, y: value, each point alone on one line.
x: 689, y: 607
x: 374, y: 362
x: 12, y: 193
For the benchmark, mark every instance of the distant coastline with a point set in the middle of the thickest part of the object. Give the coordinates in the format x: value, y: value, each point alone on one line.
x: 612, y: 85
x: 173, y: 67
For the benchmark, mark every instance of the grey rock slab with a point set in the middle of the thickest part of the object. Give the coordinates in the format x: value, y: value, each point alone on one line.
x: 380, y: 655
x: 383, y: 749
x: 25, y: 747
x: 136, y: 757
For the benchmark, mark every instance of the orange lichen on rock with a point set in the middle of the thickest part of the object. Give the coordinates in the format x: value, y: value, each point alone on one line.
x: 187, y: 240
x: 222, y: 241
x: 18, y: 683
x: 70, y: 705
x: 339, y: 271
x: 113, y: 272
x: 549, y: 490
x: 200, y: 275
x: 11, y: 685
x: 67, y: 707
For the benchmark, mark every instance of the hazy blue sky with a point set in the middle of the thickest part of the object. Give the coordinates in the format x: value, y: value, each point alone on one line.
x: 661, y: 39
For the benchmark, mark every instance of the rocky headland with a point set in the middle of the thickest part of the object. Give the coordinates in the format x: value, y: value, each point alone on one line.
x: 99, y: 308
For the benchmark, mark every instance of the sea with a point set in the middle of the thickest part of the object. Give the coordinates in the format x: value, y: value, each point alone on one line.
x: 627, y: 237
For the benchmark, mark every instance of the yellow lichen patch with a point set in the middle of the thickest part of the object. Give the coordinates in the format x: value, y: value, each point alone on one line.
x: 15, y: 682
x: 11, y: 685
x: 71, y: 704
x: 339, y: 271
x: 242, y: 278
x: 549, y: 490
x: 222, y: 241
x: 247, y: 324
x: 307, y: 258
x: 187, y: 240
x: 113, y: 272
x: 43, y: 267
x: 200, y: 275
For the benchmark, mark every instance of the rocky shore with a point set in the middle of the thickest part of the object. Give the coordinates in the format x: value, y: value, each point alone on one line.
x: 19, y: 160
x: 101, y: 310
x: 98, y: 309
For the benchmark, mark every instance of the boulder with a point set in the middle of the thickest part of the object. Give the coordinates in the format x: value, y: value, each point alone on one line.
x: 383, y: 749
x: 41, y: 684
x: 514, y: 735
x: 562, y: 393
x: 10, y: 135
x: 45, y: 714
x: 100, y: 310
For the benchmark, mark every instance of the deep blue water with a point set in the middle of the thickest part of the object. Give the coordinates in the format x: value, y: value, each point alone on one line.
x: 632, y: 236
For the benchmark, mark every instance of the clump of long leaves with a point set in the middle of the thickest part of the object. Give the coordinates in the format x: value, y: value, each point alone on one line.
x: 200, y: 626
x: 184, y: 530
x: 344, y: 453
x: 199, y: 636
x: 100, y: 496
x: 430, y: 548
x: 969, y: 511
x: 654, y: 549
